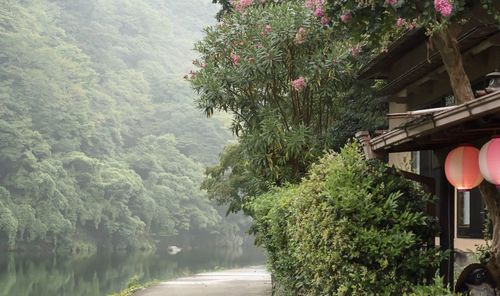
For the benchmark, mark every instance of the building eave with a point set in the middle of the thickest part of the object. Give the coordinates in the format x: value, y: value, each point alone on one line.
x: 415, y: 135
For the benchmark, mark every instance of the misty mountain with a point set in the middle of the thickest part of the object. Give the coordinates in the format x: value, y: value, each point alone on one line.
x: 100, y: 143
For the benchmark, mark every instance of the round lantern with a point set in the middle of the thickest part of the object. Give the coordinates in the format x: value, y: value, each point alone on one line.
x: 489, y: 161
x: 462, y: 167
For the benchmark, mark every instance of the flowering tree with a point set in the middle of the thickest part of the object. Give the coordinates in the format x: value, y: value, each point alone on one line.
x: 271, y: 67
x: 372, y: 24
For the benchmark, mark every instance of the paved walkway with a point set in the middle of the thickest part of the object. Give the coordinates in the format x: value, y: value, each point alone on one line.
x: 250, y: 281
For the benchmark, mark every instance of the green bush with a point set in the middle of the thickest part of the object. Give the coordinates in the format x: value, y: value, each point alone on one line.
x: 133, y: 286
x: 352, y: 227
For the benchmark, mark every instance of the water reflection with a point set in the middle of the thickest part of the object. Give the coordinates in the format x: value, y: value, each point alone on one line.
x: 103, y: 273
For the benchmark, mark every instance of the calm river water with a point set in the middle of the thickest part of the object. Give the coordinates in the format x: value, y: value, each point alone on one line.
x: 103, y: 273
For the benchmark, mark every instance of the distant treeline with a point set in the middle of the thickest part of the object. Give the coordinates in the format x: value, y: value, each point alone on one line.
x: 100, y: 144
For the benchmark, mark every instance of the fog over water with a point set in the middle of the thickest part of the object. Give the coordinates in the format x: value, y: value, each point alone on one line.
x: 107, y: 272
x: 102, y: 149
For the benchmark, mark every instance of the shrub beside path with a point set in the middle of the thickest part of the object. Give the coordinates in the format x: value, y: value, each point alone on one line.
x: 250, y: 281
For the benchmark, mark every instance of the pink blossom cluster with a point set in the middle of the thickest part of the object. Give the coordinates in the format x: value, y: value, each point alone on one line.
x: 192, y: 75
x: 267, y: 29
x: 444, y: 7
x: 318, y: 8
x: 299, y: 84
x: 318, y: 12
x: 324, y: 20
x: 240, y: 5
x: 355, y: 50
x: 346, y: 17
x: 401, y: 22
x: 300, y: 36
x: 314, y: 4
x: 235, y: 58
x: 197, y: 63
x: 391, y: 2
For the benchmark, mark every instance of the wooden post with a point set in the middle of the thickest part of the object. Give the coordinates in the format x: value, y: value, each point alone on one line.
x: 364, y: 138
x: 446, y: 194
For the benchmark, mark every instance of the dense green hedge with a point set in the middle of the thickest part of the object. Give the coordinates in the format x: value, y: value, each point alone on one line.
x: 350, y: 228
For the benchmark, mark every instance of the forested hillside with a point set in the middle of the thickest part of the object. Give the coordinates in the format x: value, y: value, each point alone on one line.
x: 99, y: 141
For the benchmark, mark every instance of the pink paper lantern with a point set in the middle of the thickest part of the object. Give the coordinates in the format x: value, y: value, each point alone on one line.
x: 462, y: 168
x: 489, y: 161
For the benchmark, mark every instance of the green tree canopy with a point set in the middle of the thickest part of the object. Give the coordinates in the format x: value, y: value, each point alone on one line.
x: 291, y: 93
x: 100, y: 143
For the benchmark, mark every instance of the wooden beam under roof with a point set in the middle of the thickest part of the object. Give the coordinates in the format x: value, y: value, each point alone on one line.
x: 427, y: 132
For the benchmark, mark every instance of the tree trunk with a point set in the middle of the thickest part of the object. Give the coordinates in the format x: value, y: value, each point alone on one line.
x: 447, y: 44
x: 448, y: 47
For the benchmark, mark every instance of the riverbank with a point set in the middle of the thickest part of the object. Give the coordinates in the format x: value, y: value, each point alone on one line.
x: 249, y: 281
